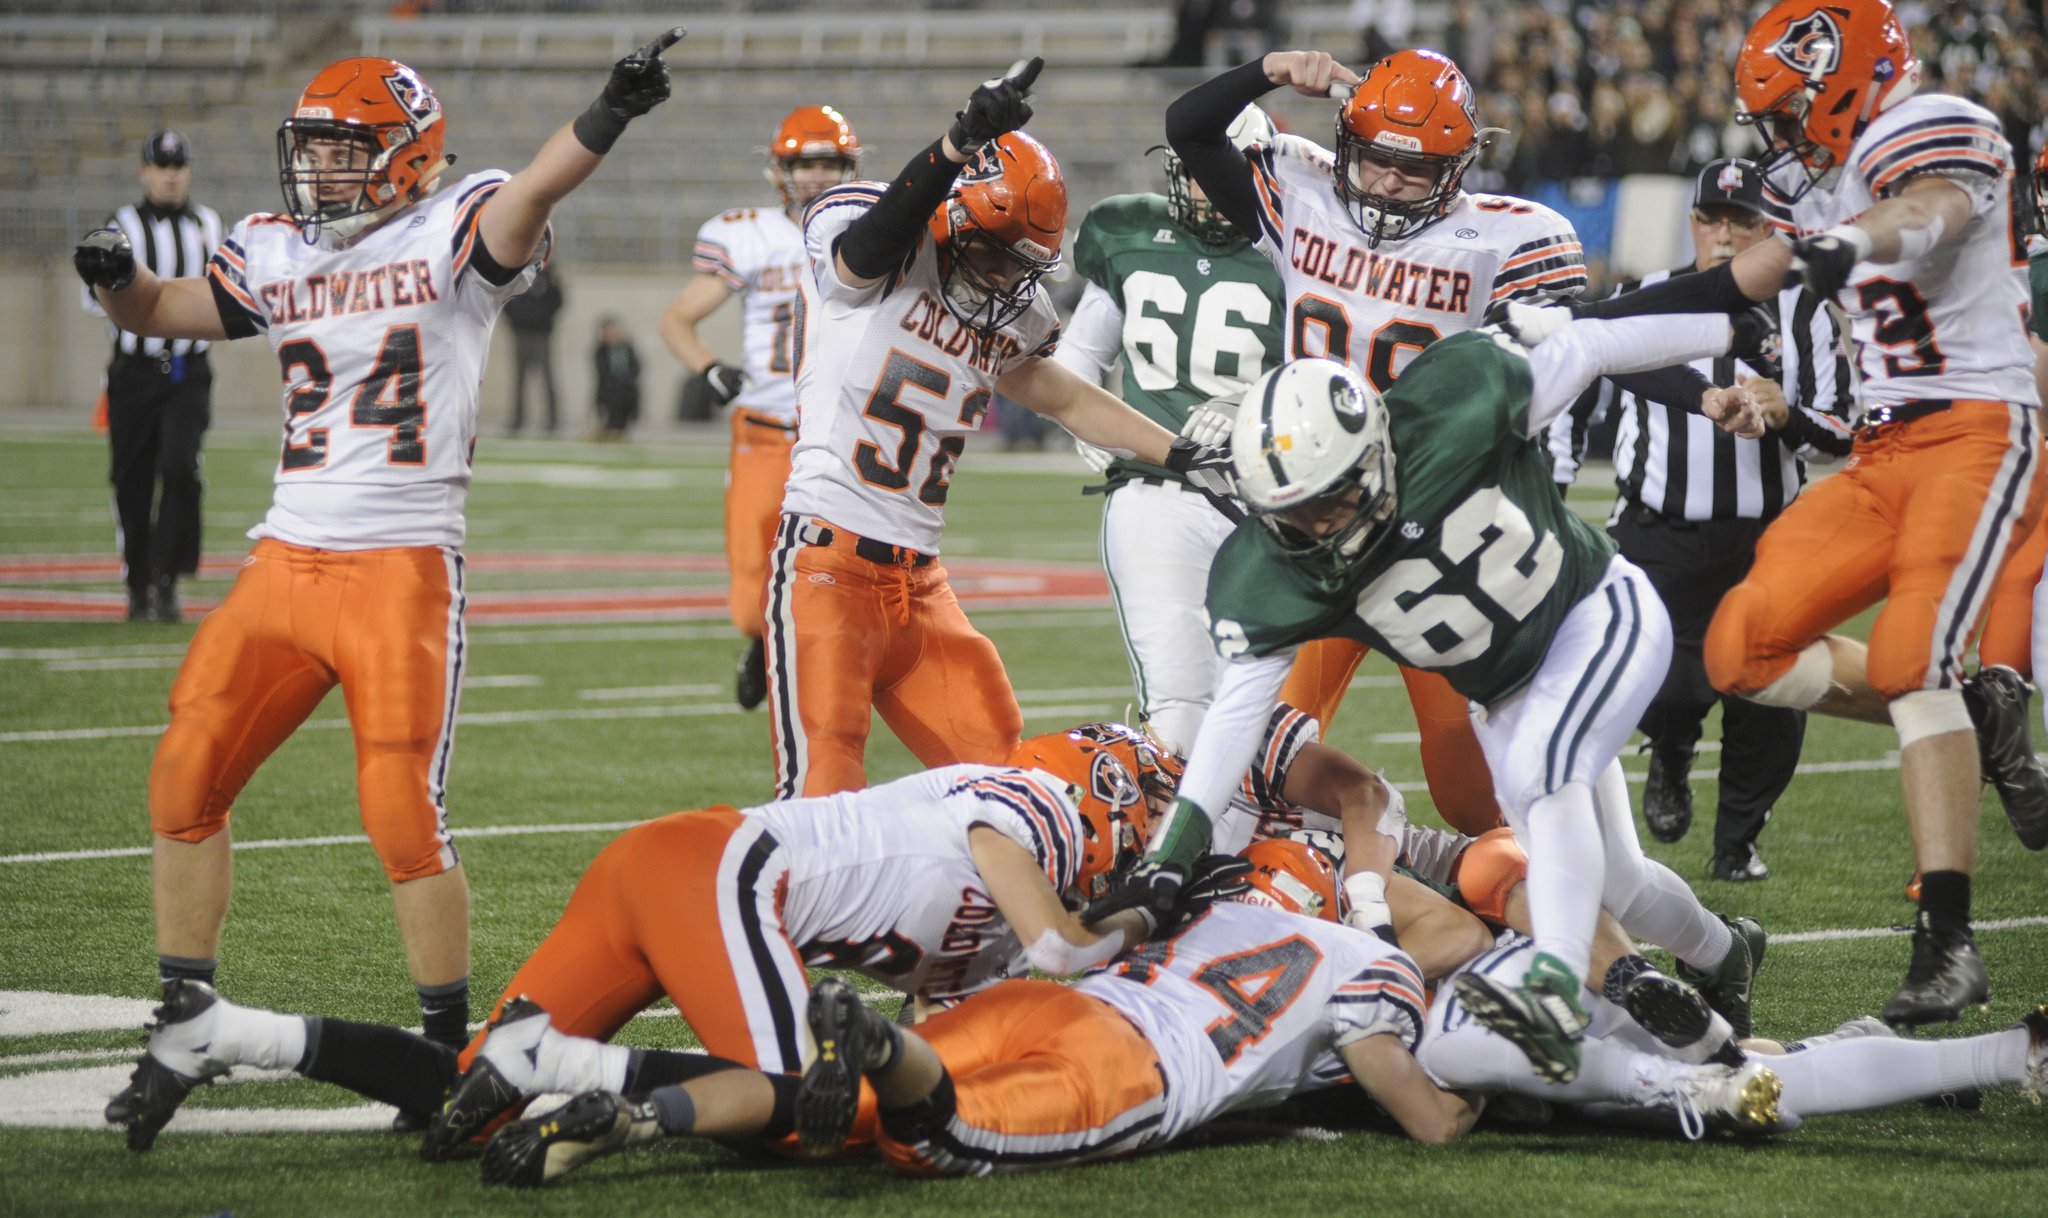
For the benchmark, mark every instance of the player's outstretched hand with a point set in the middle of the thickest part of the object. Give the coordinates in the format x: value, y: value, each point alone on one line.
x: 997, y: 106
x: 1310, y: 73
x: 1734, y: 410
x: 1205, y: 466
x: 1824, y: 260
x: 1216, y: 877
x: 104, y: 259
x: 1211, y: 422
x: 640, y: 82
x: 1153, y: 889
x: 1527, y: 324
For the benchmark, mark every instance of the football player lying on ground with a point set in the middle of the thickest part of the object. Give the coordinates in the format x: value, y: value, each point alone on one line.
x: 938, y: 884
x: 1471, y: 565
x: 1242, y: 1007
x: 1861, y: 1065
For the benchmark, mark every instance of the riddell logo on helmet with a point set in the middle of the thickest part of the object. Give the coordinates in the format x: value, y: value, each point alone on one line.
x: 1031, y: 249
x: 1812, y: 45
x: 1394, y: 139
x: 313, y: 112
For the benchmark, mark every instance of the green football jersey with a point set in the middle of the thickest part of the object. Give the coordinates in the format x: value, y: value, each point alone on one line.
x: 2037, y: 284
x: 1478, y: 566
x: 1200, y: 322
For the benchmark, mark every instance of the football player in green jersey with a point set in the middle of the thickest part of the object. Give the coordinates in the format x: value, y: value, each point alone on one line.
x: 1179, y: 293
x: 1425, y: 525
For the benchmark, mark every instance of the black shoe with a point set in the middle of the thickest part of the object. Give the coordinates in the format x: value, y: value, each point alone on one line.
x: 1945, y: 976
x: 1667, y: 793
x: 1678, y: 1015
x: 138, y: 604
x: 179, y: 1037
x: 829, y: 1097
x: 1743, y: 867
x: 489, y: 1086
x: 1997, y: 701
x: 1727, y: 988
x: 534, y: 1151
x: 752, y: 684
x: 163, y: 600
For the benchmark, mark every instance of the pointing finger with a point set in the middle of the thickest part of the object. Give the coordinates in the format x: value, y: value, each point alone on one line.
x: 654, y: 49
x: 1023, y: 72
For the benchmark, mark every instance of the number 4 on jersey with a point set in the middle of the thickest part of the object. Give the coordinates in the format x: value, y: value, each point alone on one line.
x: 388, y: 397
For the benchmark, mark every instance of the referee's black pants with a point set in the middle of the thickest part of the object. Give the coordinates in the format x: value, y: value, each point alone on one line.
x: 1693, y: 564
x: 157, y: 414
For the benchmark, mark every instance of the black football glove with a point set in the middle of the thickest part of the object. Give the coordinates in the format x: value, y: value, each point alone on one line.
x: 1205, y: 466
x: 723, y: 380
x: 996, y: 108
x: 1823, y: 261
x: 1756, y: 341
x: 1151, y: 888
x: 639, y: 83
x: 105, y: 259
x: 1215, y: 877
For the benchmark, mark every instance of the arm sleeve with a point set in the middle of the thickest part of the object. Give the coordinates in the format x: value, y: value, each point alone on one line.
x: 1820, y: 424
x: 1568, y: 361
x: 1232, y: 730
x: 1092, y: 337
x: 1711, y: 291
x: 883, y: 237
x: 1680, y: 385
x: 1195, y: 128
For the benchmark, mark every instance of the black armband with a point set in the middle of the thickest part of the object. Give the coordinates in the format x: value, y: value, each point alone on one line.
x: 597, y: 128
x: 1713, y: 291
x: 883, y: 237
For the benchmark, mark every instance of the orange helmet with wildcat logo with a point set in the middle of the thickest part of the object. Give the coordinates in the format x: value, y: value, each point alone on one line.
x: 392, y: 123
x: 1108, y: 776
x: 1813, y: 73
x: 1000, y: 231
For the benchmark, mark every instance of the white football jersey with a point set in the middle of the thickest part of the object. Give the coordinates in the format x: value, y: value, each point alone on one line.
x: 383, y: 346
x: 881, y: 880
x: 758, y: 252
x: 1247, y: 1006
x: 1376, y: 309
x: 1934, y: 328
x: 889, y: 385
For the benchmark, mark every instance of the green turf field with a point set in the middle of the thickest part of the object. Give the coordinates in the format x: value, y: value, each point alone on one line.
x: 608, y: 721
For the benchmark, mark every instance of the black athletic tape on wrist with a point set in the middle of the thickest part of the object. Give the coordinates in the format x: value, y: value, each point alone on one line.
x: 597, y: 128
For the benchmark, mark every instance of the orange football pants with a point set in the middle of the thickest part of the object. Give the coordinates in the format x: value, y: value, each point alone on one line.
x: 689, y: 906
x: 2008, y: 636
x: 1922, y: 518
x: 754, y: 479
x: 1460, y: 784
x: 386, y: 625
x: 848, y: 636
x: 1043, y: 1076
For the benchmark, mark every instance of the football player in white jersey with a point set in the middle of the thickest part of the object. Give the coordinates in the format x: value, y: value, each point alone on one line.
x: 1256, y: 999
x: 938, y: 884
x: 377, y: 287
x: 758, y: 253
x: 1901, y: 204
x: 921, y: 303
x: 1380, y: 253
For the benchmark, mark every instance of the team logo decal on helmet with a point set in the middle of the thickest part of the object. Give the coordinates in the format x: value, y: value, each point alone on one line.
x: 1105, y: 767
x: 1811, y: 46
x: 414, y: 96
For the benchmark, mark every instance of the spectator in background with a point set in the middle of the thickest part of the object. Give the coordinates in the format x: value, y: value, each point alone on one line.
x: 159, y: 391
x: 1383, y: 27
x: 532, y: 314
x: 618, y: 381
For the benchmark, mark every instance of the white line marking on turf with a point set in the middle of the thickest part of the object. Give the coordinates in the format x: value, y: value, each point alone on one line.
x: 505, y: 681
x: 114, y: 663
x: 625, y: 692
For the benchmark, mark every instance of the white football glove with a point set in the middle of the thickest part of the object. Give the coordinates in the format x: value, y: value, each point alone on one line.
x: 1097, y: 459
x: 1530, y: 324
x: 1211, y: 422
x: 1367, y: 893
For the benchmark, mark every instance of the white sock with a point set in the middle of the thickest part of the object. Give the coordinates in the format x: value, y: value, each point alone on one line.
x: 1475, y: 1059
x: 1566, y: 868
x: 1664, y: 910
x: 251, y: 1036
x: 1875, y: 1071
x: 575, y: 1064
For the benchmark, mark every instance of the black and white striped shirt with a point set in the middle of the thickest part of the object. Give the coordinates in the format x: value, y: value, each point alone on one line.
x: 173, y: 243
x: 1679, y: 464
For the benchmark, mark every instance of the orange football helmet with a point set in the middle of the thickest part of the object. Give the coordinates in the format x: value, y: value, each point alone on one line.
x: 1813, y: 73
x: 390, y: 120
x: 1291, y: 876
x: 811, y: 133
x: 1000, y: 230
x: 1105, y: 779
x: 1413, y: 109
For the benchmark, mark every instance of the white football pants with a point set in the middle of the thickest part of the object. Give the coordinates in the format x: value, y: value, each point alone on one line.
x: 1157, y: 545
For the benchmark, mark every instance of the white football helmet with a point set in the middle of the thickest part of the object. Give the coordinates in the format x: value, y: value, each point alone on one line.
x: 1310, y: 433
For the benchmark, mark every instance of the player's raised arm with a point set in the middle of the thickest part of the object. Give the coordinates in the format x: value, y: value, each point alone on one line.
x: 1198, y: 124
x: 512, y: 225
x: 139, y: 302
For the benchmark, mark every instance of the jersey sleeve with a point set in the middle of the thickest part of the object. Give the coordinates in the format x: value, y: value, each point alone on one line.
x: 1386, y: 997
x: 1288, y: 732
x: 235, y: 288
x: 1091, y: 260
x: 829, y: 216
x: 722, y: 249
x: 1272, y: 195
x: 1546, y: 263
x: 474, y: 194
x: 1948, y: 137
x: 1026, y: 807
x: 1092, y: 337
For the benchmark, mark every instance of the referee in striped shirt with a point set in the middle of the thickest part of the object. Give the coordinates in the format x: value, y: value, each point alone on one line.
x: 159, y: 391
x: 1694, y: 499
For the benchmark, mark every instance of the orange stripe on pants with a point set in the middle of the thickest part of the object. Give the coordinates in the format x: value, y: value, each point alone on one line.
x: 1922, y: 518
x: 756, y: 474
x: 1460, y: 784
x: 381, y: 624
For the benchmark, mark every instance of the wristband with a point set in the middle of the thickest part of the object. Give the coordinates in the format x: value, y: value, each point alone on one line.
x: 597, y: 128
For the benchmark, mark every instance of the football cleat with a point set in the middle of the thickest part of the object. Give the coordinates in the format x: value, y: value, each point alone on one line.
x: 500, y: 1076
x: 1667, y: 794
x: 175, y: 1062
x: 751, y: 684
x: 2035, y: 1085
x: 1742, y: 1099
x: 1678, y: 1015
x: 1945, y: 975
x: 1543, y: 1017
x: 1743, y: 866
x: 829, y: 1096
x: 1727, y: 985
x: 537, y: 1150
x: 1997, y: 701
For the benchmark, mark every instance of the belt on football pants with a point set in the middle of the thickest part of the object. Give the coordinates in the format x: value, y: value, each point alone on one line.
x: 881, y: 553
x: 1879, y: 417
x: 756, y: 419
